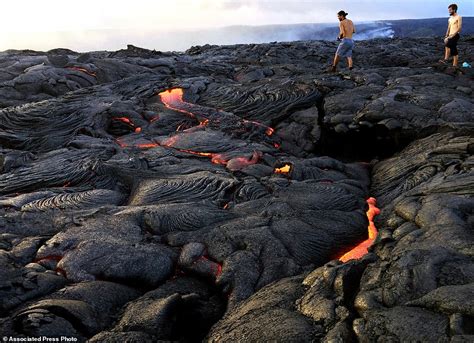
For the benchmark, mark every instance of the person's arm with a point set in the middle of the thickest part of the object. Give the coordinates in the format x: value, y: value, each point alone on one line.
x: 447, y: 31
x: 341, y: 30
x: 460, y: 24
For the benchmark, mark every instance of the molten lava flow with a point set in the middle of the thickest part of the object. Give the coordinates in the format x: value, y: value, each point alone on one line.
x: 203, y: 154
x: 83, y: 70
x: 361, y: 249
x: 283, y: 170
x: 148, y: 145
x: 268, y: 130
x: 173, y: 99
x: 128, y: 122
x: 219, y: 159
x: 233, y: 164
x: 124, y: 120
x: 239, y: 163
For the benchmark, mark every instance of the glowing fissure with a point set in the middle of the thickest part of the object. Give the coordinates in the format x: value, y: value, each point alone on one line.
x: 128, y: 122
x: 236, y: 163
x: 83, y: 70
x: 283, y: 170
x: 173, y: 99
x: 362, y: 249
x: 268, y: 130
x: 217, y: 271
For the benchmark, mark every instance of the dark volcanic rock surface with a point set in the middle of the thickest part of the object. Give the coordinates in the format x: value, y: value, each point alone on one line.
x: 152, y: 196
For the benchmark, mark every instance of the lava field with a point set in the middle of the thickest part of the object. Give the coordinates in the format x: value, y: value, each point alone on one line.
x: 238, y: 193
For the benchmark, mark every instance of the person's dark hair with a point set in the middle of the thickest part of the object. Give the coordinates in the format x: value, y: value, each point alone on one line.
x: 454, y: 7
x: 342, y: 13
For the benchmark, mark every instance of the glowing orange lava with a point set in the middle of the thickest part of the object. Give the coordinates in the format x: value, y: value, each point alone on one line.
x: 83, y: 70
x: 148, y: 145
x: 361, y: 249
x: 283, y: 170
x: 239, y: 163
x: 268, y: 130
x: 129, y: 122
x: 219, y: 159
x: 173, y: 99
x: 203, y: 154
x: 170, y: 141
x: 123, y: 120
x: 216, y: 267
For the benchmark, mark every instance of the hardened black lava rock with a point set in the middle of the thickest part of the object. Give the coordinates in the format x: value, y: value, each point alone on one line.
x: 207, y: 195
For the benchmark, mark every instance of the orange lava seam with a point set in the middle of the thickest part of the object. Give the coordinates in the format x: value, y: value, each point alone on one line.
x: 360, y: 250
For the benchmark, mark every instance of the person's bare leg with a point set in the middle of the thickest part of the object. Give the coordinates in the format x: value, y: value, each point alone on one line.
x: 455, y: 61
x: 337, y: 58
x: 349, y: 62
x: 447, y: 52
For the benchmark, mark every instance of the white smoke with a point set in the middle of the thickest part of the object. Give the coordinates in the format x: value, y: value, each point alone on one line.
x: 376, y: 30
x: 180, y: 40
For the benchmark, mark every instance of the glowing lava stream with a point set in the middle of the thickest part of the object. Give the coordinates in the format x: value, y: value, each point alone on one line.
x: 129, y: 122
x: 233, y: 164
x: 361, y: 249
x: 173, y: 99
x: 83, y: 70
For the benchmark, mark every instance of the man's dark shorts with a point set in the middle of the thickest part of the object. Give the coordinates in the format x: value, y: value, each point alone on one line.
x: 452, y: 43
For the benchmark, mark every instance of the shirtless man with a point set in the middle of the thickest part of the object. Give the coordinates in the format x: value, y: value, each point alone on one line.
x: 346, y: 30
x: 452, y: 35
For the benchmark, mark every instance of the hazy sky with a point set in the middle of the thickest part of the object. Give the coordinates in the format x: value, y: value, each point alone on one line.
x: 51, y: 23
